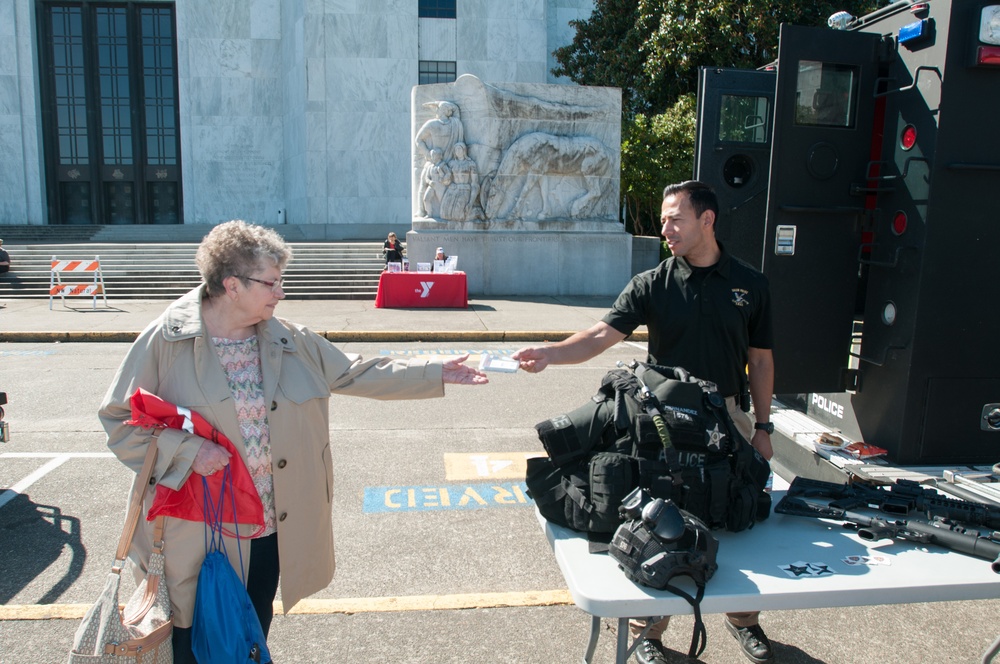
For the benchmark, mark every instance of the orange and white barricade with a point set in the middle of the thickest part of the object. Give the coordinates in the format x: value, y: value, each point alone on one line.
x: 93, y: 288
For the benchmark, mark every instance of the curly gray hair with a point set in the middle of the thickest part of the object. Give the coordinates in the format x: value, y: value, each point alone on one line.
x: 238, y: 249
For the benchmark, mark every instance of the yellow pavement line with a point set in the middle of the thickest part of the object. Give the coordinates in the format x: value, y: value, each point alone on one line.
x: 346, y: 605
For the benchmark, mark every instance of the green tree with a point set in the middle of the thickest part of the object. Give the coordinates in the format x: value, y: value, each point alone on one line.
x: 607, y: 50
x: 656, y: 150
x: 652, y: 50
x: 723, y: 33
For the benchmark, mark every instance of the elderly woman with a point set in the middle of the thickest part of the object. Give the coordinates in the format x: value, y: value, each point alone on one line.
x: 265, y: 384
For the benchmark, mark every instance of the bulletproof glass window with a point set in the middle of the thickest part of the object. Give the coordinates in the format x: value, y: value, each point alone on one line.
x: 743, y: 119
x: 826, y: 94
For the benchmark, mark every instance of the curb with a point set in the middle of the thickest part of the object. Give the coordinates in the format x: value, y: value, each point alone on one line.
x: 336, y: 336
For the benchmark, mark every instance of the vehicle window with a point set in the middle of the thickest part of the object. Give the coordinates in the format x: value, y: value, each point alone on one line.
x: 743, y: 119
x: 826, y: 94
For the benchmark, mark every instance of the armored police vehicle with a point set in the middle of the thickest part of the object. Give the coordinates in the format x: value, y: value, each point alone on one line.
x: 861, y: 172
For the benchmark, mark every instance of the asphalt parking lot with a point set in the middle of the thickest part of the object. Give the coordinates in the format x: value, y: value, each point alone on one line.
x: 415, y: 583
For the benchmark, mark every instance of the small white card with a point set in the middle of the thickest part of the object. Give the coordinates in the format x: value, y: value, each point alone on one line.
x: 497, y: 363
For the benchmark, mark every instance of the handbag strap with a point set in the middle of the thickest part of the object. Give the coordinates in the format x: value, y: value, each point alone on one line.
x: 135, y: 507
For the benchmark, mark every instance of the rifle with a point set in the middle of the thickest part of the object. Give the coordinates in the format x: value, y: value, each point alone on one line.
x: 938, y: 531
x: 900, y: 499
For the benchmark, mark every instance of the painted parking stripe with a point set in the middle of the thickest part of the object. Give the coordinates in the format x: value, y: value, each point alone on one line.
x: 347, y: 605
x: 57, y: 460
x: 16, y: 490
x: 487, y: 465
x: 382, y: 499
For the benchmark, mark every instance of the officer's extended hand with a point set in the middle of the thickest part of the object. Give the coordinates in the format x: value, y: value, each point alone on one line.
x: 532, y: 358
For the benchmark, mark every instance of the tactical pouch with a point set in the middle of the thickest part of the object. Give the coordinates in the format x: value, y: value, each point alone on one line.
x: 612, y: 477
x: 742, y: 507
x: 705, y: 492
x: 555, y: 489
x: 574, y: 435
x: 582, y: 496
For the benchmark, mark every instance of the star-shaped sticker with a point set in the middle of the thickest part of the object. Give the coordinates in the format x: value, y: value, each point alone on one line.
x: 715, y: 437
x: 797, y: 570
x: 802, y: 568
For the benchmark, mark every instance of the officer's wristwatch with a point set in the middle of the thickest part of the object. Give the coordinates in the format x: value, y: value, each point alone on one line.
x: 765, y: 426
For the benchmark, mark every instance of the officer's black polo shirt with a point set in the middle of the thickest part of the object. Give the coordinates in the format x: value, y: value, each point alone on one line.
x: 702, y: 319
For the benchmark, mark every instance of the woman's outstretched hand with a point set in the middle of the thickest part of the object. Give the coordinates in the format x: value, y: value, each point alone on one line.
x: 456, y: 372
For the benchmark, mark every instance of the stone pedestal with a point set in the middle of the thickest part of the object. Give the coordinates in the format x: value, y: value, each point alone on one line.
x: 530, y: 258
x: 521, y: 182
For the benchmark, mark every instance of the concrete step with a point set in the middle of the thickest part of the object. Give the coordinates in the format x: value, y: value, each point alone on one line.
x: 319, y: 270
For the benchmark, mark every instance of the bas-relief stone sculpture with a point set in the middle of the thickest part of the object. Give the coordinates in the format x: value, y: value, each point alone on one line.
x: 531, y: 153
x: 461, y: 197
x: 527, y: 182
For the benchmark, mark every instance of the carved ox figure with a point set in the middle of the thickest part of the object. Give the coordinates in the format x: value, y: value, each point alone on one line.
x: 546, y: 163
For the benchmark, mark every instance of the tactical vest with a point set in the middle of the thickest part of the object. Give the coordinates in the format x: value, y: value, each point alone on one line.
x: 601, y: 451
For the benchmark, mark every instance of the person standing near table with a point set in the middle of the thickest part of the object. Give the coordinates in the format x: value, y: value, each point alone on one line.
x: 393, y: 249
x: 265, y: 383
x: 708, y: 312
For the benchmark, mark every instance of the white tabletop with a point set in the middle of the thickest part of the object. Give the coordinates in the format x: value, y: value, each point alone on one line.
x: 750, y: 575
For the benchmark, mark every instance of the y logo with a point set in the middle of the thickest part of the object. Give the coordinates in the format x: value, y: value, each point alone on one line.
x: 426, y: 285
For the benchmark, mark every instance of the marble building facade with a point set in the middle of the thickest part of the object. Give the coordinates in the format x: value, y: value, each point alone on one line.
x: 286, y: 111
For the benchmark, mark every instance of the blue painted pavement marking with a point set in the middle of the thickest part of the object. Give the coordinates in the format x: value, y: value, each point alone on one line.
x: 26, y: 353
x: 449, y: 497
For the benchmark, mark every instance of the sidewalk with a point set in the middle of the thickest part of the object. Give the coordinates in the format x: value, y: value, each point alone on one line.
x: 537, y: 318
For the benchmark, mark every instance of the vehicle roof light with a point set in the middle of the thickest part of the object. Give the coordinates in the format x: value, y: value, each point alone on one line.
x: 919, y: 7
x: 840, y: 20
x: 989, y: 25
x: 913, y: 31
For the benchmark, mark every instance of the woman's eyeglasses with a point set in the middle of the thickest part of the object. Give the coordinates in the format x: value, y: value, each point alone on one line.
x: 273, y: 285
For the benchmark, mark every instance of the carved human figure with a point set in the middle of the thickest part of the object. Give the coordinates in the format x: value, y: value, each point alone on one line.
x: 442, y: 131
x: 434, y: 181
x: 461, y: 199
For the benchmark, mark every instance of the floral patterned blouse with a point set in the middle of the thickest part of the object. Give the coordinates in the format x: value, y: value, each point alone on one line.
x: 240, y: 360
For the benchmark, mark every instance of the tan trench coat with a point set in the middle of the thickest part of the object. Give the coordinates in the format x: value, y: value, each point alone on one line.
x: 173, y: 359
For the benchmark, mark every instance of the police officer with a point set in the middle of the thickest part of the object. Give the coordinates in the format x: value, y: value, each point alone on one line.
x: 708, y: 312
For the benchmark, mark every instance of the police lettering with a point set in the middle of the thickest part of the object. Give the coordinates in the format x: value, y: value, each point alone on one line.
x: 828, y: 405
x: 691, y: 459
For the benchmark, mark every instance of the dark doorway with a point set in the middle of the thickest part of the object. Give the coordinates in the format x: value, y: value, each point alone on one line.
x: 109, y: 112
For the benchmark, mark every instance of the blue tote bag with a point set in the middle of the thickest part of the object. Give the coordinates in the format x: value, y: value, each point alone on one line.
x: 226, y: 629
